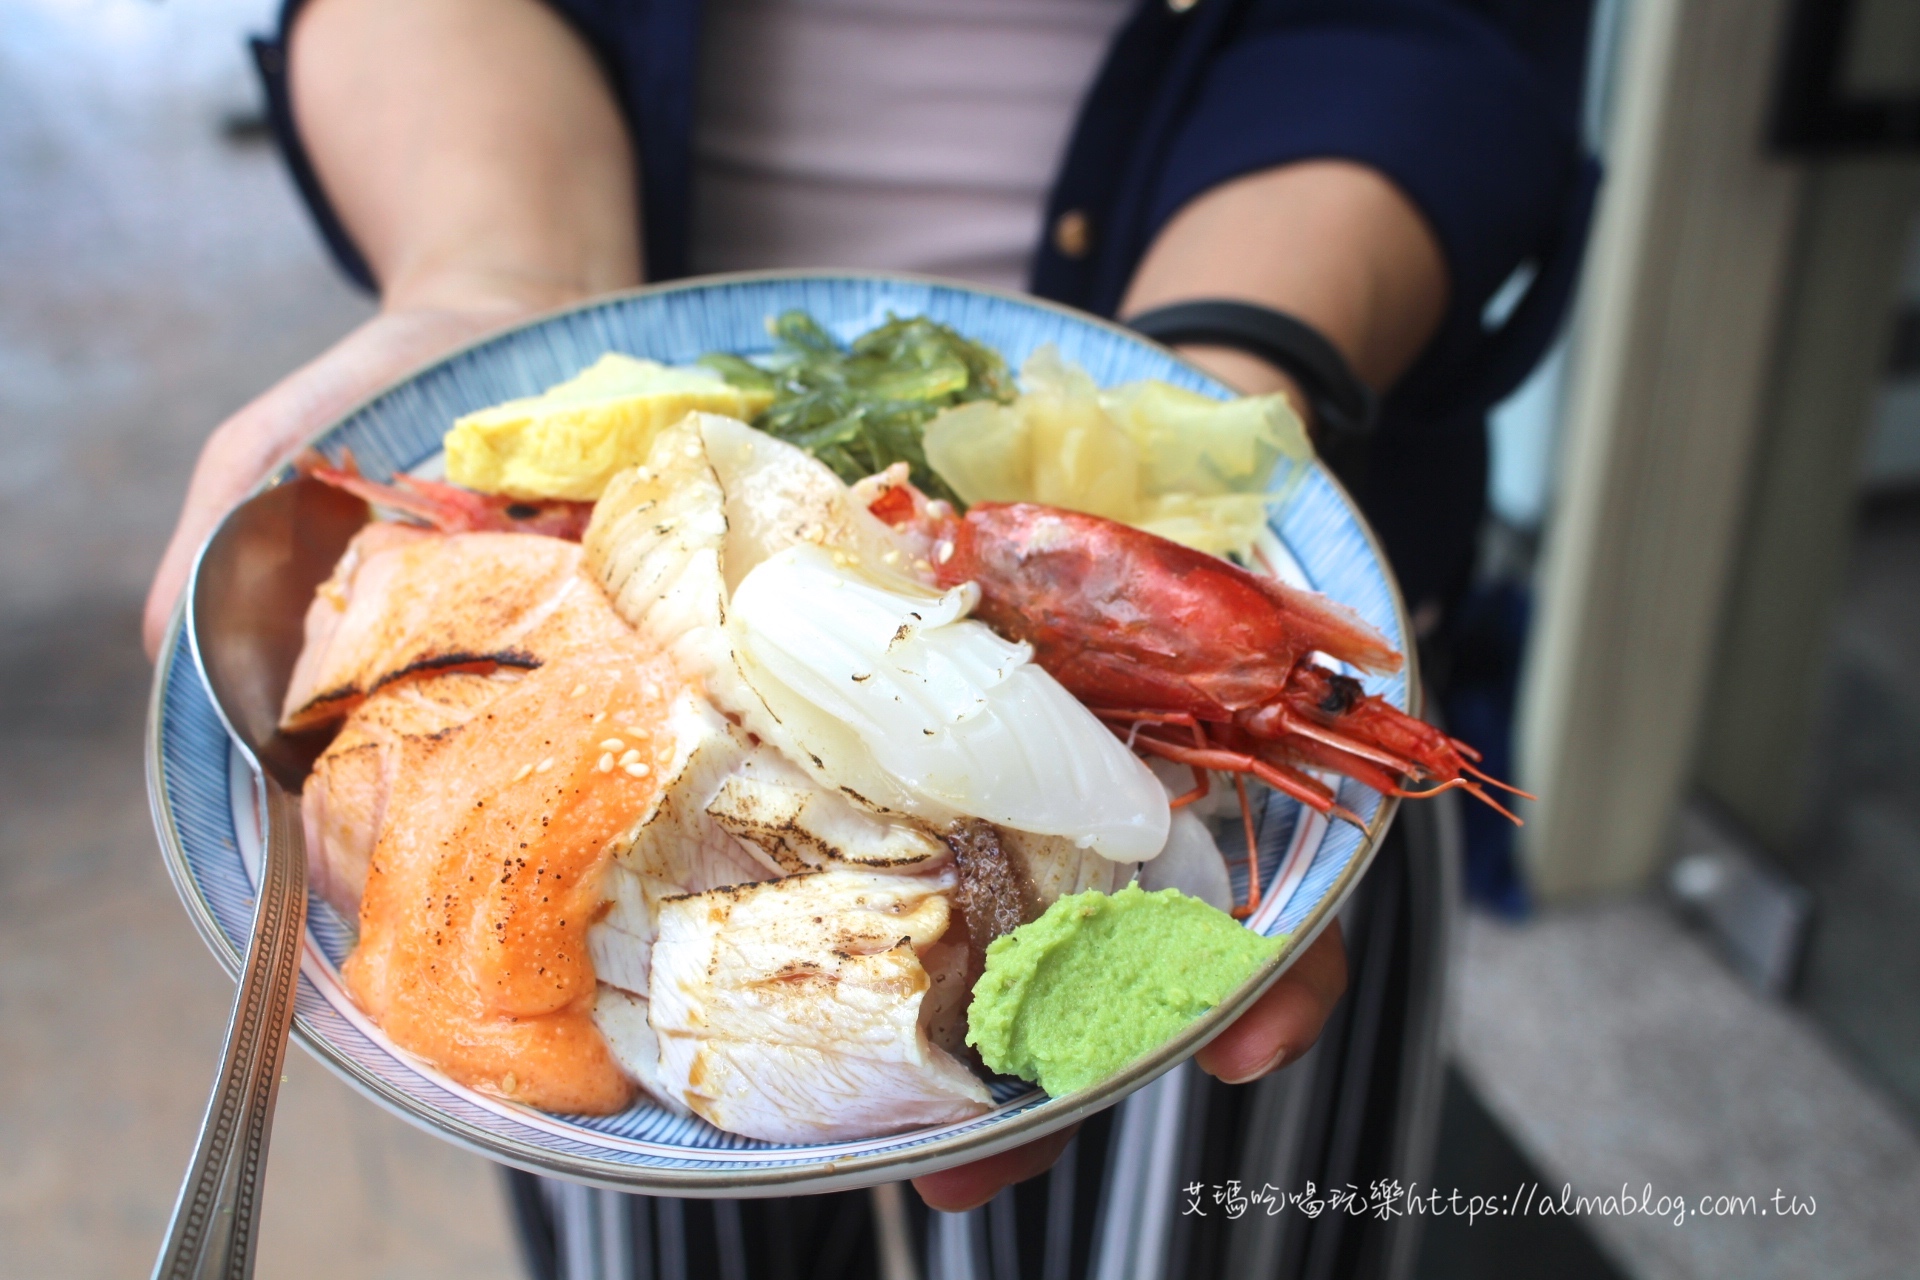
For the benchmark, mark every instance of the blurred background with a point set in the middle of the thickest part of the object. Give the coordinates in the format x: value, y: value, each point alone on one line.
x: 1697, y: 635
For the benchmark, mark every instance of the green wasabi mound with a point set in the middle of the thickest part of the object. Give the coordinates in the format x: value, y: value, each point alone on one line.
x: 1099, y: 980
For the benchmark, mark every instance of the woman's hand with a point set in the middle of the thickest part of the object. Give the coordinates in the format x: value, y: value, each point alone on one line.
x: 273, y: 427
x: 1281, y: 1025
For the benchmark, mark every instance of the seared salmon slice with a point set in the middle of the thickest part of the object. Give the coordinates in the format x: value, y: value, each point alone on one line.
x: 405, y: 602
x: 489, y: 871
x: 401, y: 729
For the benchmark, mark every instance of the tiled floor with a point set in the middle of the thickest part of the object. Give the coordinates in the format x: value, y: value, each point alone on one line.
x: 154, y: 278
x: 1621, y: 1052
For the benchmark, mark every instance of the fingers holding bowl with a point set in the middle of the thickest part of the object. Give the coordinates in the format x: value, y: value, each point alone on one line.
x: 971, y: 1185
x: 1283, y: 1023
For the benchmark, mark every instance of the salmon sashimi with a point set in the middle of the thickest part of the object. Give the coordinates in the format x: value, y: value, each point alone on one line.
x: 402, y: 729
x: 489, y: 871
x: 792, y: 1010
x: 406, y: 602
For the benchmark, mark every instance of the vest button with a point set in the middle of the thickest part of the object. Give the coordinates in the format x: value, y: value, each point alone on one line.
x: 1073, y: 234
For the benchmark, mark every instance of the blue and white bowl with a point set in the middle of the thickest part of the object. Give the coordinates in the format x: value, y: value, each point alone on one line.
x: 202, y: 792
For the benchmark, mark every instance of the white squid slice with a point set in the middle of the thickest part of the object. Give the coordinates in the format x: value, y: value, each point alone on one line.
x: 1192, y: 862
x: 955, y: 722
x: 913, y: 701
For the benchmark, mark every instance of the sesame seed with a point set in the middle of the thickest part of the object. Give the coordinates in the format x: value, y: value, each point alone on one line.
x: 943, y: 552
x: 612, y: 744
x: 521, y: 776
x: 892, y: 557
x: 606, y: 763
x: 598, y: 716
x: 631, y: 757
x: 642, y: 474
x: 510, y: 1084
x: 578, y: 690
x: 637, y: 770
x: 651, y: 689
x: 923, y: 566
x: 544, y: 765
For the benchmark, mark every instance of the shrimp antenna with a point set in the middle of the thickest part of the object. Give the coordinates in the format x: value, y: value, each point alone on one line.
x: 1461, y: 784
x: 1491, y: 803
x: 1492, y: 781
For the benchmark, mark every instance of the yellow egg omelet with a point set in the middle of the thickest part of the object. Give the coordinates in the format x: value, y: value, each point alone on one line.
x: 568, y: 441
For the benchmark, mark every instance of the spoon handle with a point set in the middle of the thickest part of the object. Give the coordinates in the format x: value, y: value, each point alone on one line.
x: 217, y: 1217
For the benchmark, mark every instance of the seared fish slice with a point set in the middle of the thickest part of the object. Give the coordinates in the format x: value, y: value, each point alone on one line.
x: 671, y: 540
x: 1052, y: 867
x: 1006, y: 878
x: 670, y: 849
x: 622, y: 1019
x: 791, y: 1010
x: 405, y: 602
x: 801, y: 826
x: 729, y: 812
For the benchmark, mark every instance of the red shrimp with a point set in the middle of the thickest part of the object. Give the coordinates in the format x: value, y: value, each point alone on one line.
x: 1195, y: 660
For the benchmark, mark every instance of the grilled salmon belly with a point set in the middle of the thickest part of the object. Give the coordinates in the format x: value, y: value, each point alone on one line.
x: 489, y: 871
x: 406, y: 602
x: 403, y: 729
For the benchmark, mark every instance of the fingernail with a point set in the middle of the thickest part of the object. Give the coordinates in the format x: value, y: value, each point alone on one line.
x: 1278, y: 1059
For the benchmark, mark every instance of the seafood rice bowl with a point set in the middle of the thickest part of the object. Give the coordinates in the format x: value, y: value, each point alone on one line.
x: 698, y: 742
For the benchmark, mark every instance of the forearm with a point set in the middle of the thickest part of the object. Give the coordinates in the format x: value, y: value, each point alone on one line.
x: 472, y: 148
x: 475, y: 155
x: 1331, y: 243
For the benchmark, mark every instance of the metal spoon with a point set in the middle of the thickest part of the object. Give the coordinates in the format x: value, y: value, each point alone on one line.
x: 246, y: 608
